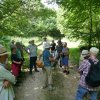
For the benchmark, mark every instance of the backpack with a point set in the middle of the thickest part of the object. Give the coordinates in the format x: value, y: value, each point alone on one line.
x: 93, y: 77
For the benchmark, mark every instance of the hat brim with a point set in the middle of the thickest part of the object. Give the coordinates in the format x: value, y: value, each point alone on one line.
x: 5, y: 53
x: 48, y: 47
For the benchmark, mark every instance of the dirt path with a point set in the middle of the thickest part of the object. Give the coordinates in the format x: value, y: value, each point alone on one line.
x: 64, y: 87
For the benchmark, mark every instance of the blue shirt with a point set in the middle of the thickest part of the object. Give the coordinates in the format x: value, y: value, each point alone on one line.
x: 32, y: 50
x: 46, y: 55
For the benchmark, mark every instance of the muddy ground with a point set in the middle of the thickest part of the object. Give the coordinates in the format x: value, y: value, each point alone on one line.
x: 65, y: 86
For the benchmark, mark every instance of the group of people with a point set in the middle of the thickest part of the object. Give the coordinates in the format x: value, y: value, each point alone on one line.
x: 51, y: 53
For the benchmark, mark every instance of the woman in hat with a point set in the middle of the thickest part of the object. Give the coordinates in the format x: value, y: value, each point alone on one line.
x: 6, y: 78
x: 47, y: 59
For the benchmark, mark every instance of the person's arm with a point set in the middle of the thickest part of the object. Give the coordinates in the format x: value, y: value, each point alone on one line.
x: 40, y: 44
x: 27, y: 49
x: 83, y: 66
x: 7, y: 75
x: 15, y: 59
x: 16, y: 62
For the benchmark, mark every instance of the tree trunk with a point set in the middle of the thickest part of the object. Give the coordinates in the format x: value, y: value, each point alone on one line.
x: 91, y: 31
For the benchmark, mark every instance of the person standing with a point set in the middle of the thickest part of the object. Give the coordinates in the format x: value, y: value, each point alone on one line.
x: 32, y: 51
x: 19, y: 53
x: 53, y: 45
x: 47, y: 59
x: 16, y: 62
x: 6, y: 77
x: 59, y: 48
x: 83, y: 69
x: 65, y: 58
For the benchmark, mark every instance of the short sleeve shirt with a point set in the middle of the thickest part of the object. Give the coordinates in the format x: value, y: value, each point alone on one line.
x: 32, y: 50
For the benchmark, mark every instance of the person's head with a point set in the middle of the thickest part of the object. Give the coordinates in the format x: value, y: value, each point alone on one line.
x: 65, y: 44
x: 31, y: 42
x: 3, y: 54
x: 94, y: 51
x: 12, y: 41
x: 84, y: 54
x: 44, y: 39
x: 59, y: 42
x: 52, y: 41
x: 18, y: 44
x: 14, y: 49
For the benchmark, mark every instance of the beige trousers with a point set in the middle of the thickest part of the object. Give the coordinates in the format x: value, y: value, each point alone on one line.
x: 48, y: 75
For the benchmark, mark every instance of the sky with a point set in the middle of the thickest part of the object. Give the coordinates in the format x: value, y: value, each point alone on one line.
x: 51, y: 5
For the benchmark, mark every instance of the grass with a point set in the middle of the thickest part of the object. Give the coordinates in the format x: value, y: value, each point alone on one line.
x: 74, y: 55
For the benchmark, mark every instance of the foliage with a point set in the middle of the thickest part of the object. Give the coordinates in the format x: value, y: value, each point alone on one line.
x: 80, y: 19
x: 55, y: 33
x: 24, y: 17
x: 74, y: 55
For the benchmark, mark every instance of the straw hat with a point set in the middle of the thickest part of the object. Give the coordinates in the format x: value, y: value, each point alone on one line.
x: 3, y: 50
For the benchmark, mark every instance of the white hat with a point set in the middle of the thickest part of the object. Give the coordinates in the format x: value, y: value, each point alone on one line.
x: 3, y: 50
x: 85, y: 52
x: 47, y: 45
x: 94, y: 50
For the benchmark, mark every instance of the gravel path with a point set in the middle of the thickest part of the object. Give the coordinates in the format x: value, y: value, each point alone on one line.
x: 64, y: 86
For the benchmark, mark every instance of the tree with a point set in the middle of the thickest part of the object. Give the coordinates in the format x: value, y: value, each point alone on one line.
x: 24, y: 17
x: 80, y: 18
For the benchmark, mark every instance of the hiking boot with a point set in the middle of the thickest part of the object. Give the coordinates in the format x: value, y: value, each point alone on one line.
x: 45, y: 86
x: 65, y: 71
x: 36, y: 70
x: 30, y: 72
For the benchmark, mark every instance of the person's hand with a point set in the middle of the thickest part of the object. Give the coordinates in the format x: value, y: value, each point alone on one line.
x: 6, y: 84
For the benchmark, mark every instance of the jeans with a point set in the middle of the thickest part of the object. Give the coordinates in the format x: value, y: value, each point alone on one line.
x: 81, y: 92
x: 33, y: 63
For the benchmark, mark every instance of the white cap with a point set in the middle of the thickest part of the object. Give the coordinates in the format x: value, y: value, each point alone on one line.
x: 94, y: 50
x: 85, y: 52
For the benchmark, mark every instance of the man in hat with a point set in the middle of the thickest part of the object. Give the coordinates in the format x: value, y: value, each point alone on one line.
x: 32, y: 51
x: 84, y: 54
x: 6, y: 78
x: 83, y: 69
x: 47, y: 59
x: 43, y: 43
